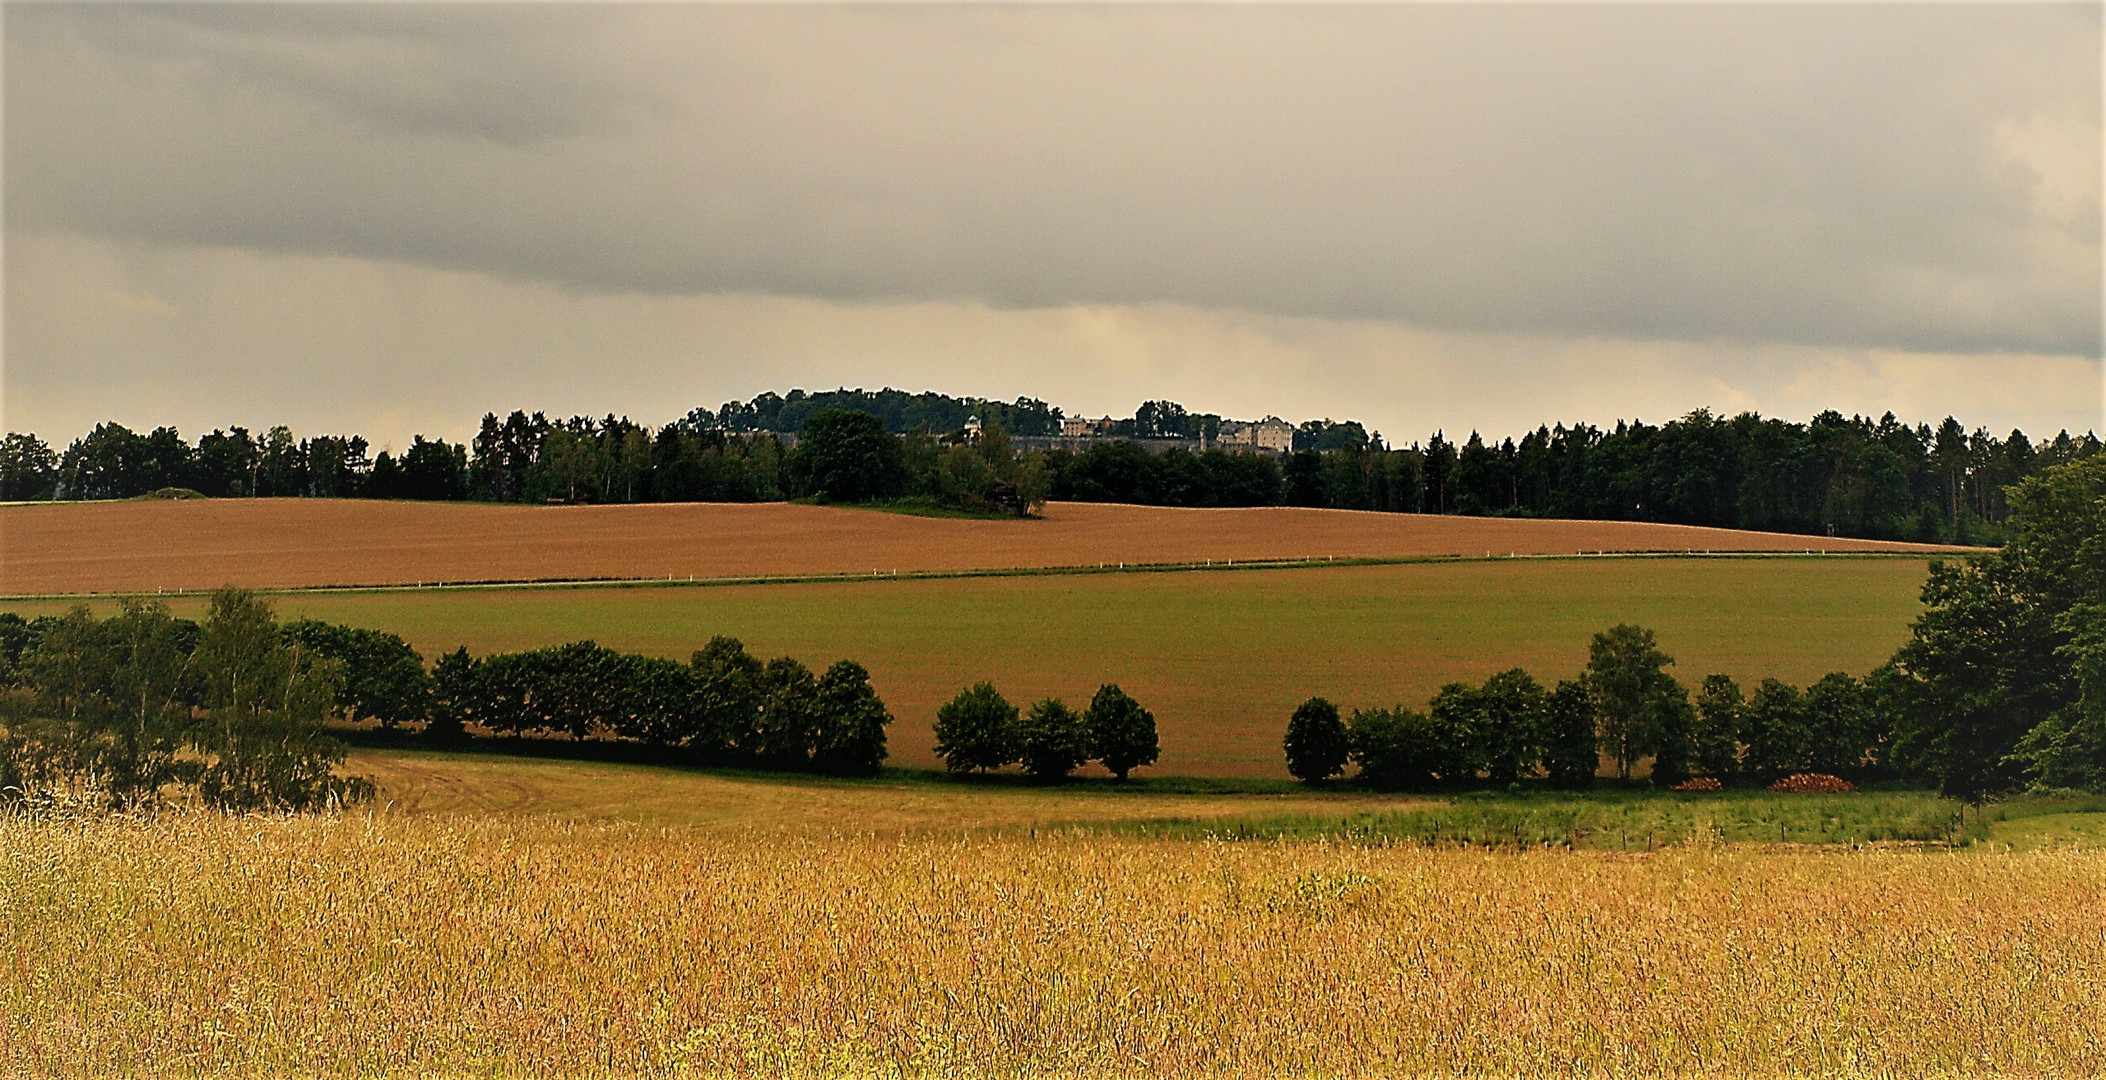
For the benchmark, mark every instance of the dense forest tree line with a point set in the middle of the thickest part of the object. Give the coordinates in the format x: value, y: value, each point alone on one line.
x: 2001, y: 685
x: 1849, y: 476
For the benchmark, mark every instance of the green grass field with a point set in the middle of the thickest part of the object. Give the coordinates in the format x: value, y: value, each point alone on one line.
x: 421, y: 783
x: 1221, y: 657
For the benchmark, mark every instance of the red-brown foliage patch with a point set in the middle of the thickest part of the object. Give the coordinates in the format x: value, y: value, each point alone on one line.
x: 1813, y: 784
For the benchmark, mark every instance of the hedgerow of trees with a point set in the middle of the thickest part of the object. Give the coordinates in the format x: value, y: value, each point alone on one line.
x: 980, y: 730
x: 237, y: 707
x: 2001, y: 685
x: 1849, y: 476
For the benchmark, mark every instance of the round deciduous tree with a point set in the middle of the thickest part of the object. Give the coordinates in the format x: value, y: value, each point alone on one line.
x: 1316, y: 742
x: 851, y: 722
x: 848, y: 456
x: 1054, y: 740
x: 977, y: 730
x: 1122, y: 733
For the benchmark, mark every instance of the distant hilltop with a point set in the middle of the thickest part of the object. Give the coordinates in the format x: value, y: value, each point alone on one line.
x: 1834, y: 475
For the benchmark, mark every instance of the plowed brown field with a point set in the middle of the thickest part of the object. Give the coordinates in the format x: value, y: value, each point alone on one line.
x: 291, y: 543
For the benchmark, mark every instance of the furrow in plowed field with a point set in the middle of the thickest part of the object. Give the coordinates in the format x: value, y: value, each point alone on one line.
x: 292, y: 543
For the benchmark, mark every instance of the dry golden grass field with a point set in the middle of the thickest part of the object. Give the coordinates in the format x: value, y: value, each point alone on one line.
x: 154, y: 545
x: 425, y: 783
x: 444, y: 945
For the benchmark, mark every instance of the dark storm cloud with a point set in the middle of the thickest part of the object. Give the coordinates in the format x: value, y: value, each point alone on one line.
x: 1881, y: 175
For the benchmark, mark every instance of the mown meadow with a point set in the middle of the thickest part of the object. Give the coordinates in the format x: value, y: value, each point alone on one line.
x: 1221, y: 657
x: 390, y: 945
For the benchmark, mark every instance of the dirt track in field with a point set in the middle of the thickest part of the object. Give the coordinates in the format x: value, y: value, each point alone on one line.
x: 291, y: 543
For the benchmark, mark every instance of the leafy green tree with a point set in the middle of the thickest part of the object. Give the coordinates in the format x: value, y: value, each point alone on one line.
x: 110, y: 705
x: 1317, y: 743
x: 726, y: 713
x: 1455, y: 727
x: 384, y: 679
x: 1571, y: 754
x: 656, y: 701
x: 1984, y: 670
x: 1633, y: 694
x: 28, y: 468
x: 1839, y: 723
x: 582, y: 689
x: 266, y: 701
x: 1775, y: 728
x: 789, y: 702
x: 1512, y: 713
x: 977, y: 730
x: 848, y: 456
x: 1715, y: 741
x: 1395, y: 749
x: 1053, y: 740
x: 851, y: 722
x: 150, y: 703
x: 456, y: 698
x: 16, y: 641
x: 2006, y: 667
x: 1673, y: 732
x: 1122, y: 733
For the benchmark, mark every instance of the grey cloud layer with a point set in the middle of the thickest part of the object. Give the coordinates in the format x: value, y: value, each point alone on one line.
x: 1881, y: 175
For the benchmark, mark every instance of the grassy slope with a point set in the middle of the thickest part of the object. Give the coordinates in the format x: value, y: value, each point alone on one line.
x: 424, y: 783
x: 1222, y: 657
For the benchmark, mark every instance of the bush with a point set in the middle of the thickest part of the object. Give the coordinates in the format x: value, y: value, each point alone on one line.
x: 1122, y: 733
x: 977, y: 730
x: 1053, y: 740
x: 1317, y: 744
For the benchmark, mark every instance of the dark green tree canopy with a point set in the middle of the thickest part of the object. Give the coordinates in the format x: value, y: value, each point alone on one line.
x: 977, y: 730
x: 1317, y: 745
x: 848, y: 456
x: 1634, y: 696
x: 1396, y: 749
x: 1571, y: 754
x: 1054, y: 740
x: 1122, y: 733
x: 850, y: 721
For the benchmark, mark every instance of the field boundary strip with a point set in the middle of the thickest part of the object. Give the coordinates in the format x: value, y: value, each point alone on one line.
x: 1188, y: 566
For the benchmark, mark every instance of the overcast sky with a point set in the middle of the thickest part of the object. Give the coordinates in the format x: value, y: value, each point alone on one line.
x: 393, y: 217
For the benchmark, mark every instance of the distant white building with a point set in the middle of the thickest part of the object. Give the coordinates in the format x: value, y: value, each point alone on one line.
x: 1271, y: 435
x: 1074, y: 427
x: 972, y: 427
